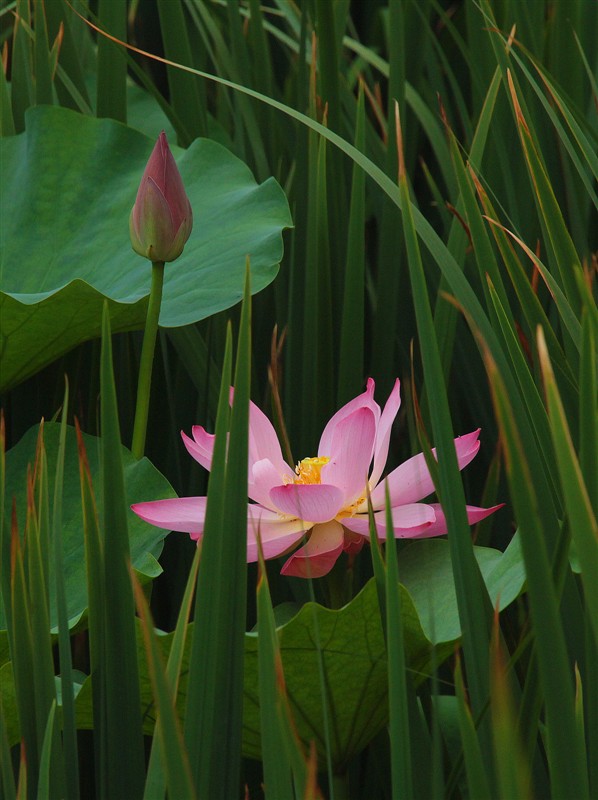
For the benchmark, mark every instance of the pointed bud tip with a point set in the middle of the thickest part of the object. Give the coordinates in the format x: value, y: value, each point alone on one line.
x: 161, y: 219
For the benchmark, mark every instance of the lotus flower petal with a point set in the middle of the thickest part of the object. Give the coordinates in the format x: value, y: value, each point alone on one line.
x: 318, y: 556
x: 390, y: 411
x: 201, y: 447
x: 185, y: 514
x: 411, y: 481
x: 352, y: 446
x: 363, y: 400
x: 317, y: 502
x: 474, y: 515
x: 409, y: 521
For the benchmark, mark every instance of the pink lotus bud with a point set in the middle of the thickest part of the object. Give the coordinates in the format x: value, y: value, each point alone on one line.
x: 161, y: 219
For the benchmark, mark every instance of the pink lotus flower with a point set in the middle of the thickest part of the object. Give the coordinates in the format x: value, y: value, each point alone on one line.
x: 323, y: 497
x: 161, y: 219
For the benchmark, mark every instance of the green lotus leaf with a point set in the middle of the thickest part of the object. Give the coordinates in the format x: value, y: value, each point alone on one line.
x: 68, y: 185
x: 141, y: 478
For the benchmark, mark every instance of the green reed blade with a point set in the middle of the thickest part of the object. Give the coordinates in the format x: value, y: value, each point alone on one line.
x: 44, y: 787
x: 588, y: 419
x: 124, y: 742
x: 214, y: 702
x: 445, y: 315
x: 5, y: 532
x: 581, y: 517
x: 111, y: 95
x: 472, y: 597
x: 23, y: 775
x: 512, y: 770
x: 318, y: 346
x: 278, y: 777
x: 69, y: 731
x: 565, y: 254
x: 41, y: 55
x: 7, y: 784
x: 530, y: 393
x: 398, y: 688
x: 187, y: 97
x: 567, y: 772
x: 176, y: 763
x: 22, y: 90
x: 70, y: 68
x: 528, y: 299
x: 477, y: 779
x: 386, y: 319
x: 351, y: 360
x: 262, y: 76
x: 22, y: 656
x: 483, y: 252
x: 7, y: 122
x: 591, y: 705
x: 94, y: 567
x: 37, y: 575
x: 155, y: 780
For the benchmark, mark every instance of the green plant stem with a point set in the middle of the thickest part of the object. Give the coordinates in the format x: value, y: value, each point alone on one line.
x: 338, y: 585
x: 147, y: 360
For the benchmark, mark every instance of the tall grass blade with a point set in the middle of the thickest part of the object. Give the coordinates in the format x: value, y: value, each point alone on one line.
x: 473, y: 613
x: 214, y: 701
x: 318, y: 368
x: 399, y: 728
x: 176, y: 763
x: 566, y: 257
x: 329, y: 19
x: 22, y: 786
x: 22, y: 656
x: 352, y: 345
x: 7, y: 784
x: 155, y: 781
x: 529, y: 391
x: 588, y: 419
x: 581, y: 517
x: 44, y: 790
x: 186, y: 95
x: 445, y: 315
x: 41, y: 50
x: 477, y: 779
x: 7, y: 123
x: 111, y: 95
x: 528, y: 299
x: 511, y: 768
x: 22, y: 90
x: 278, y: 781
x: 590, y: 699
x: 125, y: 759
x: 61, y: 20
x: 37, y: 573
x: 482, y: 249
x: 69, y: 731
x: 5, y: 531
x: 386, y: 320
x: 263, y: 77
x: 565, y: 756
x: 94, y: 567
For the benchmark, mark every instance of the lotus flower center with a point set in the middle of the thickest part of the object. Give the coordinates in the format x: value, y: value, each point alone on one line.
x: 308, y: 470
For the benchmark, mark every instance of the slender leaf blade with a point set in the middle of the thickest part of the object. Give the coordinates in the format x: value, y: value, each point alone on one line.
x: 125, y: 759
